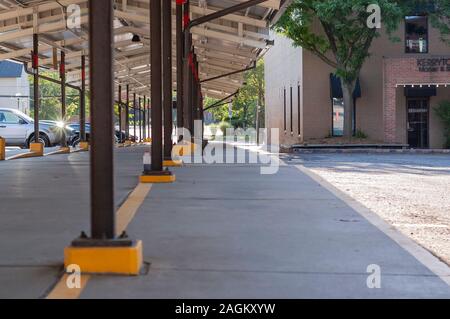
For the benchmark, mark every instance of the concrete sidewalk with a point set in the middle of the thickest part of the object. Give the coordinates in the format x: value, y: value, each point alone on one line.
x: 44, y: 205
x: 218, y: 232
x: 229, y: 232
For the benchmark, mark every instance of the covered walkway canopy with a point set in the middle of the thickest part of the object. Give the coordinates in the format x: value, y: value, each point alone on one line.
x: 152, y: 48
x: 230, y: 43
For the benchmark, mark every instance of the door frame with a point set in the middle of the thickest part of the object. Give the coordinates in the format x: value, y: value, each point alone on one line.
x: 428, y: 99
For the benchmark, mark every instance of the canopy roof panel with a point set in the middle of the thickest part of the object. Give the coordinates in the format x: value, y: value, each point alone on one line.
x: 228, y: 44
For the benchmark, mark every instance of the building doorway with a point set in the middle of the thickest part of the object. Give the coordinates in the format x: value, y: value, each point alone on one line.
x: 418, y: 122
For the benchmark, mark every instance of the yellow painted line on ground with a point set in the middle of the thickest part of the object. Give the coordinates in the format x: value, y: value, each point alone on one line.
x: 61, y: 290
x: 125, y: 215
x: 128, y: 210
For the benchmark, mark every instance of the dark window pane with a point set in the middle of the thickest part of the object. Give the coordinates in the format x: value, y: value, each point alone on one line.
x: 338, y: 117
x: 416, y: 34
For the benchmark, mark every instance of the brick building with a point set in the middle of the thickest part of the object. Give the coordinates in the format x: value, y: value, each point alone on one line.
x: 399, y: 87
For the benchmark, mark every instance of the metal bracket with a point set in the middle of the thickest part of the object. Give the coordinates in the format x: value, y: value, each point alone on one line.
x: 121, y: 241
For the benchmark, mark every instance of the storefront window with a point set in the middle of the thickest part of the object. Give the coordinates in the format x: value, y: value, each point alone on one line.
x: 338, y: 117
x: 416, y: 28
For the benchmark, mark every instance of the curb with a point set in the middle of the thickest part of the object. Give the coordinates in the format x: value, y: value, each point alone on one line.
x: 370, y: 151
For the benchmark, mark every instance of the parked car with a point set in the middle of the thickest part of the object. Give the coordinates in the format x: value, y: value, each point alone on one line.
x: 119, y: 136
x: 18, y: 129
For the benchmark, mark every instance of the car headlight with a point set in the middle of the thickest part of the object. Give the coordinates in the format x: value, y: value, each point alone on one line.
x: 61, y: 124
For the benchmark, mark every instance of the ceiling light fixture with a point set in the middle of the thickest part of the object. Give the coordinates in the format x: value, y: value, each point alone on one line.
x: 136, y: 38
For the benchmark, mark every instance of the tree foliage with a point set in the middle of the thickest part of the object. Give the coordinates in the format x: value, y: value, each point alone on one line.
x: 245, y: 103
x: 50, y: 99
x: 250, y: 97
x: 443, y: 112
x: 439, y: 13
x: 219, y: 113
x: 343, y: 39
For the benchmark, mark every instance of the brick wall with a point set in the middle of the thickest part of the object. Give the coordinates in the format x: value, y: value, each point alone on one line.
x: 404, y: 71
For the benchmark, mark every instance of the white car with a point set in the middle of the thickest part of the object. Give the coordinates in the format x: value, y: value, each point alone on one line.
x: 17, y: 129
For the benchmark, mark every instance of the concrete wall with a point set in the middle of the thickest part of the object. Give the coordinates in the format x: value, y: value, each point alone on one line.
x: 283, y: 65
x: 9, y: 87
x: 317, y: 101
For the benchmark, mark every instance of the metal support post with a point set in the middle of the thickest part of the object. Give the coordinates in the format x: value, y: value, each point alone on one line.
x: 167, y: 77
x: 36, y: 86
x: 83, y: 100
x: 102, y: 100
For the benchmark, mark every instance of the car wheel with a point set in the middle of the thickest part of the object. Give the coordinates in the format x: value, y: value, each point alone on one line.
x: 42, y: 139
x: 76, y: 141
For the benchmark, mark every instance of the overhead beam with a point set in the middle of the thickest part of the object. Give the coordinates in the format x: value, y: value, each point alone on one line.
x: 224, y: 12
x: 102, y: 101
x: 228, y: 74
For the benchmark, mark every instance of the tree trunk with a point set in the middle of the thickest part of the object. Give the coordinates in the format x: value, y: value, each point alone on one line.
x: 245, y: 117
x: 257, y: 124
x: 349, y: 106
x: 258, y: 111
x: 261, y: 104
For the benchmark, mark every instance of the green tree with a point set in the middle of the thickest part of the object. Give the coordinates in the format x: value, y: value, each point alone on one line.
x: 439, y: 13
x: 219, y: 113
x: 50, y: 99
x: 443, y: 111
x: 244, y: 105
x: 250, y: 99
x: 342, y: 39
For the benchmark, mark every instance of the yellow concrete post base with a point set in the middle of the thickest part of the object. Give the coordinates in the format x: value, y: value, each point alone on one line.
x: 37, y: 149
x: 2, y: 149
x: 157, y: 178
x: 128, y: 143
x: 106, y: 260
x: 184, y: 149
x: 171, y: 163
x: 83, y: 146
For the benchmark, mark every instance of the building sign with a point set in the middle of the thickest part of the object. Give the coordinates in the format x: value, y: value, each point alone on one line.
x: 434, y: 65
